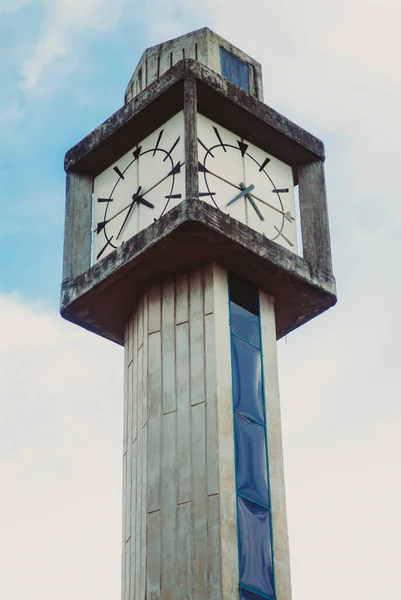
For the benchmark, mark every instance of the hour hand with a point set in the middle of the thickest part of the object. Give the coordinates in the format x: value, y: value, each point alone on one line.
x: 142, y: 200
x: 243, y: 193
x: 251, y: 200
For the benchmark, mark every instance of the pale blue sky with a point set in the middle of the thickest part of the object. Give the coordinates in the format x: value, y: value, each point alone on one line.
x: 332, y: 67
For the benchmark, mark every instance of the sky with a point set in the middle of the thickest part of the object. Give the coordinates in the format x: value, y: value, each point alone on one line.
x: 332, y: 66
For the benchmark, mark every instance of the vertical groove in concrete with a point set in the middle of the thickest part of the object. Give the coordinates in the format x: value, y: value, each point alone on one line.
x: 172, y: 502
x: 275, y: 450
x: 225, y: 436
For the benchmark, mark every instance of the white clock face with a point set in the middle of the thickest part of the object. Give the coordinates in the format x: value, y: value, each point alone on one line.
x: 250, y: 184
x: 139, y: 188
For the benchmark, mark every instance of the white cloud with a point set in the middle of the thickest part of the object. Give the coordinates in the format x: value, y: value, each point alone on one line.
x: 60, y: 457
x: 341, y: 371
x: 343, y: 504
x: 66, y: 21
x: 12, y: 113
x: 165, y: 21
x: 9, y: 6
x: 332, y: 67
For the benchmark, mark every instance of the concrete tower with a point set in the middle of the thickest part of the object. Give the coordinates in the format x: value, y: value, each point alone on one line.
x: 181, y: 244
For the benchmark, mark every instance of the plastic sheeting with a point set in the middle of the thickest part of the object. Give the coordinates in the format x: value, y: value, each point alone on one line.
x: 251, y: 464
x: 245, y: 324
x: 252, y: 486
x: 247, y: 595
x: 256, y: 570
x: 247, y: 380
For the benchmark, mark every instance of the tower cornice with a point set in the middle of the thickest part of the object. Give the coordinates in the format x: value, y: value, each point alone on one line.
x: 218, y: 98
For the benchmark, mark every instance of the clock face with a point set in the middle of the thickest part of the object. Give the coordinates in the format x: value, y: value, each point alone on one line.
x: 139, y: 188
x: 246, y: 182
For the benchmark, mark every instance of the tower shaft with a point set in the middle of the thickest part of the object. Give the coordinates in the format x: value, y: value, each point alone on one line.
x: 180, y: 523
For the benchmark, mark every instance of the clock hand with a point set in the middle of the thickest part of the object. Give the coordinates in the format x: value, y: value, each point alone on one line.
x: 131, y: 208
x: 173, y: 171
x: 287, y: 215
x: 283, y: 236
x: 142, y: 200
x: 244, y: 192
x: 249, y: 197
x: 223, y: 179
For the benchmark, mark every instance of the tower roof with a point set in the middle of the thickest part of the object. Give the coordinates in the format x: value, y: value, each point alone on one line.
x: 206, y: 47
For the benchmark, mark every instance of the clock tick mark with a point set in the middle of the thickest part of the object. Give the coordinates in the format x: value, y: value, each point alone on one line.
x: 104, y: 248
x: 243, y: 147
x: 219, y: 138
x: 202, y: 168
x: 100, y: 226
x: 176, y: 169
x: 173, y: 196
x: 283, y: 236
x: 158, y: 142
x: 207, y: 149
x: 265, y: 162
x: 281, y: 191
x: 171, y: 149
x: 105, y: 199
x: 137, y: 152
x: 117, y: 170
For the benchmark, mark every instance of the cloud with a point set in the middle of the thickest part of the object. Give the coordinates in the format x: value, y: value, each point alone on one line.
x: 65, y: 22
x: 12, y: 113
x: 9, y: 6
x: 333, y: 68
x: 343, y: 503
x: 346, y: 362
x: 60, y: 457
x: 165, y: 21
x: 339, y: 382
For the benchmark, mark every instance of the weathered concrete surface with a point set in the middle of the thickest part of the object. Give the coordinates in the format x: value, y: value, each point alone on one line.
x: 191, y: 139
x: 218, y: 99
x: 194, y: 233
x: 282, y: 574
x: 179, y: 512
x: 315, y: 218
x: 202, y: 45
x: 100, y: 298
x: 77, y: 225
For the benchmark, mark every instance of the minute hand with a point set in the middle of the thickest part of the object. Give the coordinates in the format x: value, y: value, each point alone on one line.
x: 104, y: 223
x: 287, y: 215
x: 131, y: 208
x: 249, y: 197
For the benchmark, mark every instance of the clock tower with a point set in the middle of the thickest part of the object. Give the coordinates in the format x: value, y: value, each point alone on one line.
x: 196, y: 235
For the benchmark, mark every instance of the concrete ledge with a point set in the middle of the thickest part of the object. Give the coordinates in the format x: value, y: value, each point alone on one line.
x: 218, y: 98
x: 194, y: 233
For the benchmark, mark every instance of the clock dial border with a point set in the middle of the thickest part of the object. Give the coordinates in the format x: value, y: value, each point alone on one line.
x: 107, y: 221
x: 208, y: 131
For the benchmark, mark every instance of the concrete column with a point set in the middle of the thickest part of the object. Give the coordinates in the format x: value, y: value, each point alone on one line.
x: 179, y: 502
x: 275, y: 449
x: 179, y: 523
